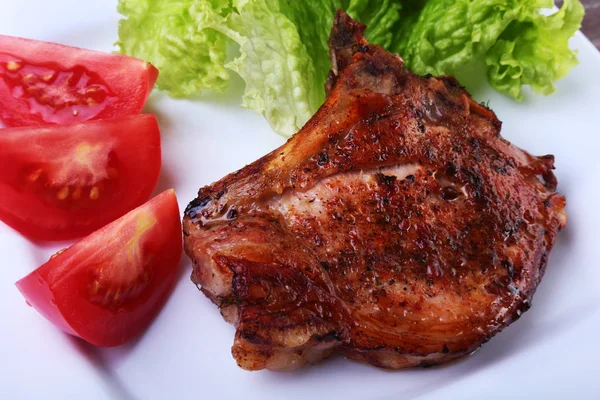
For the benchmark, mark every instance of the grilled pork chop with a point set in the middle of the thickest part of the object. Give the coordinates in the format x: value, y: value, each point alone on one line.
x: 397, y: 227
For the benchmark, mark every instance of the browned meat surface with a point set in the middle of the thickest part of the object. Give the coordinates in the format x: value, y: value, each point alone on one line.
x: 397, y: 227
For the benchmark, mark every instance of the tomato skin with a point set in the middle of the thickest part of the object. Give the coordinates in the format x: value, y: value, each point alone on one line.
x: 60, y: 289
x: 35, y: 206
x: 127, y: 82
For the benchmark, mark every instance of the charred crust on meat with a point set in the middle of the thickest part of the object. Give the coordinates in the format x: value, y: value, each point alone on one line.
x: 502, y: 170
x: 509, y: 268
x: 451, y: 82
x: 220, y: 194
x: 373, y: 69
x: 232, y: 214
x: 547, y: 203
x: 196, y: 205
x: 451, y: 169
x: 345, y: 32
x: 387, y: 180
x: 476, y: 182
x: 322, y: 158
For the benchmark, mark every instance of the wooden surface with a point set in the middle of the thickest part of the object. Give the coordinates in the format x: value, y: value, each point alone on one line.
x: 591, y: 21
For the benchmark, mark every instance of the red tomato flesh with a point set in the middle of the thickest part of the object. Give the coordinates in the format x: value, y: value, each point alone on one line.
x: 109, y: 286
x: 47, y: 83
x: 64, y: 181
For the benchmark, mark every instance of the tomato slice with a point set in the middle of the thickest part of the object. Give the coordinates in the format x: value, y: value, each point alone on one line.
x: 47, y: 83
x: 109, y: 286
x: 64, y: 181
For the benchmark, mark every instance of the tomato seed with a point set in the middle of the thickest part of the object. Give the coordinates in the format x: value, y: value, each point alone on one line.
x: 63, y: 193
x: 95, y: 287
x: 29, y: 79
x: 94, y: 193
x: 13, y: 66
x: 35, y: 175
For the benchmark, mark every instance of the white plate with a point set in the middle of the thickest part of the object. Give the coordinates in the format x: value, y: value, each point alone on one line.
x: 552, y: 352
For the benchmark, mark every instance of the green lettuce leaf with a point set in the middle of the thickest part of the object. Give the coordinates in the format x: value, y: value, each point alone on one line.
x: 535, y: 52
x: 519, y: 45
x: 188, y: 53
x: 274, y: 63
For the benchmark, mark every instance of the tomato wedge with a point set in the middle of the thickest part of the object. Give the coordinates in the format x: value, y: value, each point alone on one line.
x: 64, y: 181
x: 109, y: 286
x: 47, y: 83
